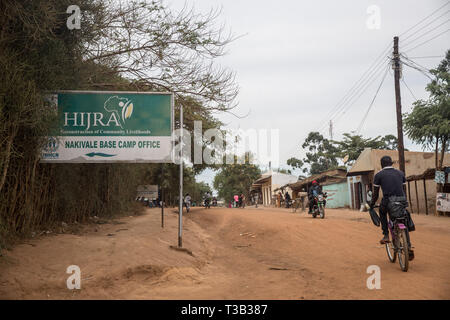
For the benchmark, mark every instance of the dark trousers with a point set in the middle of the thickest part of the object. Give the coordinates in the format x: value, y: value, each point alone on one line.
x: 383, y: 217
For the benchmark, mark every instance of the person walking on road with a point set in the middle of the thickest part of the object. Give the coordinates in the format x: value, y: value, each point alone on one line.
x: 207, y: 200
x: 287, y: 198
x: 187, y: 202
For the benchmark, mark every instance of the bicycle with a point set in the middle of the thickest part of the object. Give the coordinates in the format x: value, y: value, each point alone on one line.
x: 399, y: 244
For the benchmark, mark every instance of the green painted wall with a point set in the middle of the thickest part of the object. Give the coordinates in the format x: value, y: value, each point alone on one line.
x: 338, y: 195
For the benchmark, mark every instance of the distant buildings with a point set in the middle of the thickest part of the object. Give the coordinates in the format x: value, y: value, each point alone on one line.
x: 333, y: 182
x: 350, y: 188
x: 265, y: 186
x: 421, y: 196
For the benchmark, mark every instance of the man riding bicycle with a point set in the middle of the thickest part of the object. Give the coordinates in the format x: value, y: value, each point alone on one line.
x: 393, y: 183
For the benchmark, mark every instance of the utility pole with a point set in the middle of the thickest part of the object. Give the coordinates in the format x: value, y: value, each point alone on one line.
x: 398, y: 102
x: 331, y: 130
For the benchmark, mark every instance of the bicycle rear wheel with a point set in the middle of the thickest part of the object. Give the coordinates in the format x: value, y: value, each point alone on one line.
x: 390, y: 250
x: 403, y: 251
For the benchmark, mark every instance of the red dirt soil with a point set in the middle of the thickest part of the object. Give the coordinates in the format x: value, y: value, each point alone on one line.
x: 236, y: 254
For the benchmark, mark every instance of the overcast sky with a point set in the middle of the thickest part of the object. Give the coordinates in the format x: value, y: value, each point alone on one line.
x: 297, y: 59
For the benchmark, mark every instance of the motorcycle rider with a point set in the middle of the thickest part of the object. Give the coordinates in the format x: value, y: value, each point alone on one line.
x: 393, y: 183
x: 315, y: 190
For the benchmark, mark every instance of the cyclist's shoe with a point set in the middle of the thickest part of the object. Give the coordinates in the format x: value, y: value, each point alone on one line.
x: 411, y: 254
x: 385, y: 240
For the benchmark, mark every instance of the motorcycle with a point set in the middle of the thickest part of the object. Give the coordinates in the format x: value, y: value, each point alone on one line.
x: 319, y: 205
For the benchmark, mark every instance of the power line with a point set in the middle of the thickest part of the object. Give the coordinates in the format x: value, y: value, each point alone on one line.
x: 418, y: 69
x: 406, y: 38
x: 373, y: 100
x: 417, y: 64
x: 360, y: 87
x: 418, y: 23
x: 356, y: 94
x: 427, y: 57
x: 410, y: 91
x: 368, y: 84
x: 419, y: 45
x: 353, y: 91
x: 356, y: 85
x: 424, y: 34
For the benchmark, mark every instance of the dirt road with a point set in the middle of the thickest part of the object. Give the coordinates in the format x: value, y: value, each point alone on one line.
x: 236, y: 254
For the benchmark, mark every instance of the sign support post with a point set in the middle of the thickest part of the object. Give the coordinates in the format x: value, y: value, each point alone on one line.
x: 161, y: 200
x: 180, y: 215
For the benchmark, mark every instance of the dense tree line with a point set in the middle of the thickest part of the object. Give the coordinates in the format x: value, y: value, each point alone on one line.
x: 323, y: 154
x: 133, y: 46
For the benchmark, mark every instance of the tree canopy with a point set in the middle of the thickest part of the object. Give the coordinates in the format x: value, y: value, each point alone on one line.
x: 323, y: 154
x: 121, y: 45
x: 235, y: 179
x: 429, y: 122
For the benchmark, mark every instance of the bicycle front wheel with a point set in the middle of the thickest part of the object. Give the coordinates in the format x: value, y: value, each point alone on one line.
x: 322, y: 212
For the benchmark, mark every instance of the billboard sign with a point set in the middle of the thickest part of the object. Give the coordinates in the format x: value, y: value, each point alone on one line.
x: 99, y: 126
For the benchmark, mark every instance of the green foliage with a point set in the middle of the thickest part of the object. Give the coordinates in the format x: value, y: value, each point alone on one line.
x: 235, y: 179
x: 429, y: 121
x: 353, y: 145
x: 295, y: 163
x: 323, y: 154
x: 134, y: 46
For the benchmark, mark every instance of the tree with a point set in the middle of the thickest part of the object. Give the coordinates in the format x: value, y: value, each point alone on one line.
x: 320, y: 155
x: 324, y: 154
x: 132, y: 46
x: 352, y: 145
x: 294, y: 163
x: 235, y: 179
x: 429, y: 121
x: 159, y: 49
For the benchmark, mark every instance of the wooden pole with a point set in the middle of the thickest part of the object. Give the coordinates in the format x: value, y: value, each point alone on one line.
x: 417, y: 197
x: 425, y: 193
x: 409, y: 197
x: 398, y: 103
